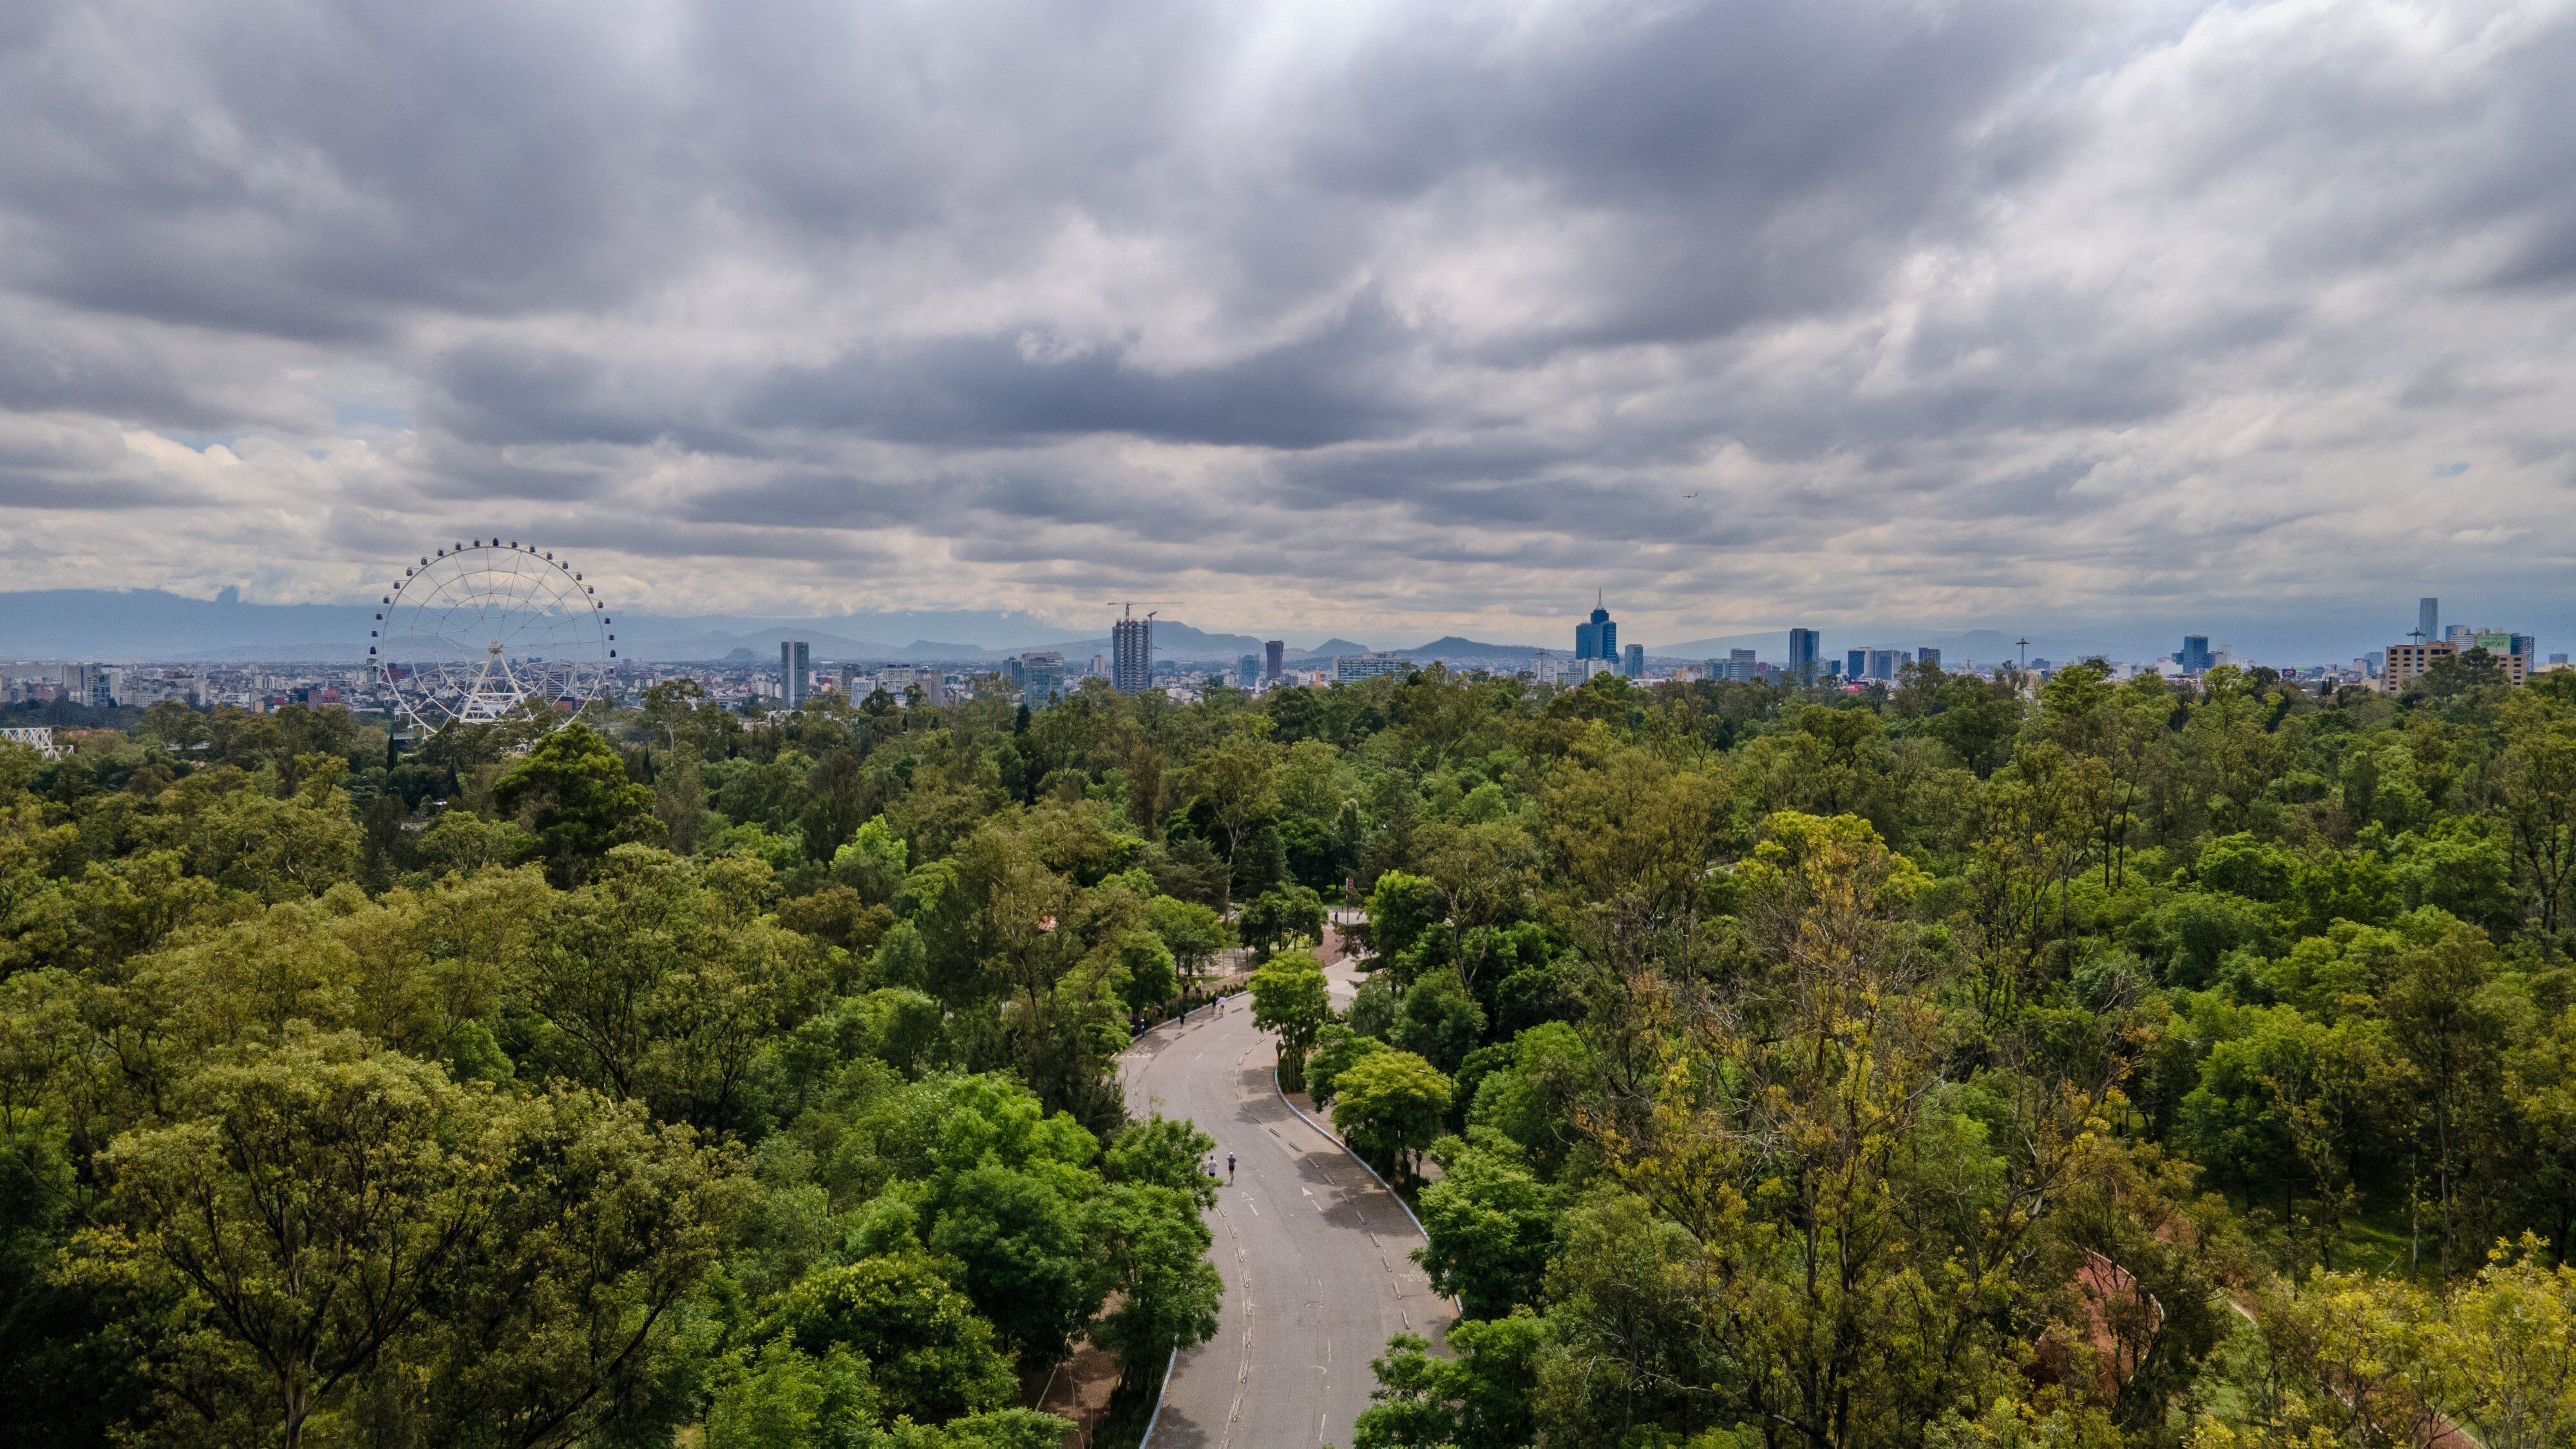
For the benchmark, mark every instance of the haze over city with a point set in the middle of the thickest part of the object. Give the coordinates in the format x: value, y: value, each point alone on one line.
x: 1383, y: 322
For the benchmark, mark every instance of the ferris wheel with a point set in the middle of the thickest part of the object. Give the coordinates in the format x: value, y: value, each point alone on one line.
x: 476, y: 631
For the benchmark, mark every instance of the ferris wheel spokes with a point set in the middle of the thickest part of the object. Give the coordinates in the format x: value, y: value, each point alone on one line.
x: 484, y: 632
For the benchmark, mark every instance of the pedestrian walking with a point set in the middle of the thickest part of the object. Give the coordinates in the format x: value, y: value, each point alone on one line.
x: 1229, y: 1167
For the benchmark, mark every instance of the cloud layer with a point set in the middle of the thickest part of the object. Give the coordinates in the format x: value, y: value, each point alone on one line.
x: 1389, y: 318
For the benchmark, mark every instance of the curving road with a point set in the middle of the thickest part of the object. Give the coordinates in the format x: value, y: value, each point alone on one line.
x: 1314, y: 1253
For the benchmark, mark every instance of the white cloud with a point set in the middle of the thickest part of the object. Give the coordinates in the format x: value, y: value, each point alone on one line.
x: 1400, y: 319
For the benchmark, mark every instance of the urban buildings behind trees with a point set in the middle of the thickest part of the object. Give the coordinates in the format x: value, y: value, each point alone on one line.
x: 1040, y: 676
x: 1739, y: 665
x: 1633, y: 663
x: 1369, y: 666
x: 1274, y: 655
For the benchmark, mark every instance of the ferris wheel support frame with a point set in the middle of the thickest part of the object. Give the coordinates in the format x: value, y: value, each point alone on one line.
x: 495, y: 689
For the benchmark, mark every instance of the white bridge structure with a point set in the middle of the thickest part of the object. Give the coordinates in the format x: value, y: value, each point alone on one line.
x: 40, y: 739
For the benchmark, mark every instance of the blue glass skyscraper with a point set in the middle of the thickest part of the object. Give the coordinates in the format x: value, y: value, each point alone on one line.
x: 1598, y: 638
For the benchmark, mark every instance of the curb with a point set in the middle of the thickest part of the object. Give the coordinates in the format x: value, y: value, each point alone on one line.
x: 1329, y: 1136
x: 1157, y: 1416
x: 1347, y: 1152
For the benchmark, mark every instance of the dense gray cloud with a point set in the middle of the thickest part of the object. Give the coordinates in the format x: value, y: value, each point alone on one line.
x: 1389, y: 320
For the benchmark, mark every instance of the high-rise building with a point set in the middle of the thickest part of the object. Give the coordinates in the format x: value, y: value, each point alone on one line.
x: 1274, y: 658
x: 1633, y: 663
x: 1598, y: 637
x: 1802, y: 655
x: 2194, y: 656
x: 1247, y: 671
x: 2428, y: 619
x: 795, y: 671
x: 1041, y: 677
x: 1928, y: 655
x: 1131, y: 646
x: 1856, y: 664
x: 1883, y: 662
x: 88, y: 684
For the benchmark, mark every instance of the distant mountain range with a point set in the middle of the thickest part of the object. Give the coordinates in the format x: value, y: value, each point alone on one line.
x: 148, y: 624
x: 101, y: 624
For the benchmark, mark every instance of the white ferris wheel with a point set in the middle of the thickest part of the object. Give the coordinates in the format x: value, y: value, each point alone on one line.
x: 475, y: 632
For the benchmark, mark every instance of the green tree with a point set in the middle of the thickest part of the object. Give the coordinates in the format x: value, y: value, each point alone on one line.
x: 650, y: 983
x: 1400, y: 908
x: 1491, y: 1224
x: 570, y: 1319
x: 460, y: 842
x: 573, y: 792
x: 1150, y: 976
x: 1389, y: 1106
x: 2536, y: 793
x: 781, y: 1396
x: 302, y: 1211
x: 1152, y: 1251
x: 1441, y: 1021
x: 2508, y: 1344
x: 873, y: 863
x: 1193, y: 933
x: 930, y: 1355
x: 1532, y: 1101
x: 1291, y: 997
x: 1018, y: 1236
x: 1237, y: 779
x: 1276, y: 917
x: 1336, y: 1048
x: 1480, y: 1394
x: 1163, y: 1152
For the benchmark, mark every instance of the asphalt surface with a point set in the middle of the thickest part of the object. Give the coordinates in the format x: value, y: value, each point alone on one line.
x: 1315, y: 1255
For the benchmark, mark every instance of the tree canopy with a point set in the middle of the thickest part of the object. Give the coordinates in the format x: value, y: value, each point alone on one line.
x: 1972, y: 1061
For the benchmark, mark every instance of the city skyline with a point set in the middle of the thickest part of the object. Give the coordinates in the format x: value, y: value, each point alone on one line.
x: 2127, y: 319
x: 90, y: 624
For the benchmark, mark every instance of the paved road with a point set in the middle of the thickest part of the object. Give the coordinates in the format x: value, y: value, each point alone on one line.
x: 1314, y: 1253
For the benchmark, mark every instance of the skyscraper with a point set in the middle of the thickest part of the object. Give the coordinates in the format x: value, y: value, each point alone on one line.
x: 1928, y: 655
x: 2194, y: 655
x: 1131, y: 647
x: 1802, y: 655
x: 1633, y: 663
x: 1598, y: 638
x: 796, y: 672
x: 1247, y: 671
x: 1855, y: 663
x: 1041, y: 677
x: 2428, y: 619
x: 1273, y: 660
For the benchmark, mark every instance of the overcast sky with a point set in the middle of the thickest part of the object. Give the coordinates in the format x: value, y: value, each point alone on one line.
x: 1380, y: 319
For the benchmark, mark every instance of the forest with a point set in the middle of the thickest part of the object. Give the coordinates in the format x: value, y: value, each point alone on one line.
x: 1971, y: 1061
